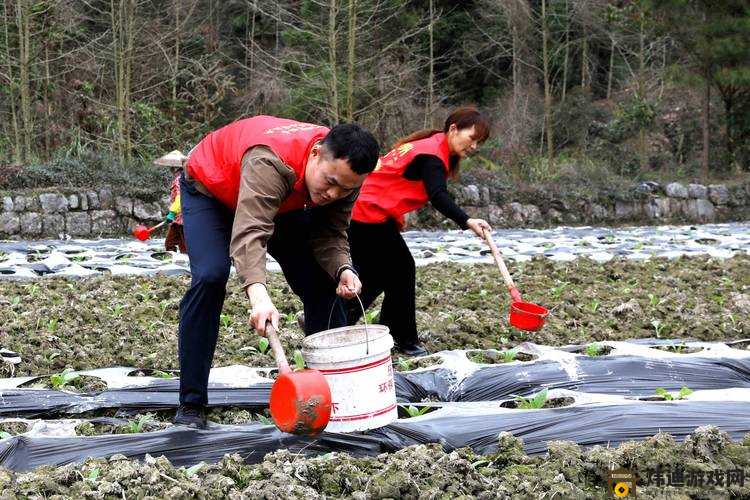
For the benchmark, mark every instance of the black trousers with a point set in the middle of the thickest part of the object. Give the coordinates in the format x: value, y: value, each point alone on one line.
x: 385, y: 265
x: 208, y: 230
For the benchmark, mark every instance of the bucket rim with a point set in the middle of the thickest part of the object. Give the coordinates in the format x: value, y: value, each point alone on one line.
x: 376, y: 332
x: 529, y: 309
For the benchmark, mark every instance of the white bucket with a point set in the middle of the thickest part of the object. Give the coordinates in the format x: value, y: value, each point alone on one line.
x: 359, y: 373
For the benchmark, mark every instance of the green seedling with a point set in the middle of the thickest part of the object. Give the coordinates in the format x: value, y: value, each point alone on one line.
x: 532, y: 403
x: 503, y: 340
x: 93, y: 475
x: 653, y: 300
x: 191, y: 471
x: 161, y: 374
x: 509, y: 355
x: 594, y: 349
x: 290, y: 319
x: 60, y: 380
x: 117, y: 310
x: 404, y: 364
x: 594, y: 305
x: 557, y: 291
x: 719, y: 299
x: 16, y: 300
x: 226, y: 320
x: 668, y: 396
x: 136, y: 426
x: 263, y: 419
x: 33, y: 290
x: 52, y: 325
x: 5, y: 435
x: 658, y: 327
x: 638, y: 245
x: 263, y: 345
x: 163, y: 305
x: 414, y: 411
x: 371, y: 316
x: 299, y: 361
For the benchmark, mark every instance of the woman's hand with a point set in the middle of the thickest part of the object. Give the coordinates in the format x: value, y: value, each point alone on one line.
x: 479, y: 226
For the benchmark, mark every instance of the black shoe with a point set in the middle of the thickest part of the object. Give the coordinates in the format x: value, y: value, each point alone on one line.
x: 191, y: 415
x: 413, y: 350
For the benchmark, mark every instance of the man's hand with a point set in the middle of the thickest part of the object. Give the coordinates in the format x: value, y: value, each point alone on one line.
x: 263, y: 309
x: 478, y: 226
x: 349, y: 285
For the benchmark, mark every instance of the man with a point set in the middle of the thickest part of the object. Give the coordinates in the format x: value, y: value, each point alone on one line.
x: 266, y: 184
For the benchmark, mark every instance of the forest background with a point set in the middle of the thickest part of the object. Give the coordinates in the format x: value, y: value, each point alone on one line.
x: 593, y: 91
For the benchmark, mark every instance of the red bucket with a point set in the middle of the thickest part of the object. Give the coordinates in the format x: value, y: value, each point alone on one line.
x: 527, y: 316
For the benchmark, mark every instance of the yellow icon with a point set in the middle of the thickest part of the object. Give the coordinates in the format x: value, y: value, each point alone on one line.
x: 621, y: 490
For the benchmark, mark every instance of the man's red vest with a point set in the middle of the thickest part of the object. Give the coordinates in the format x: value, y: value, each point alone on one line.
x: 216, y: 161
x: 386, y: 194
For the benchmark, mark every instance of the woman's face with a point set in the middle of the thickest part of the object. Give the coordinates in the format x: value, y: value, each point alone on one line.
x: 462, y: 142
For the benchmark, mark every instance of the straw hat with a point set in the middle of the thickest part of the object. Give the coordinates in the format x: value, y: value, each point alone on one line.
x: 171, y: 159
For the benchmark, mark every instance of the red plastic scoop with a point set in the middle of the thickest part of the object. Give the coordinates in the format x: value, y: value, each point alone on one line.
x: 300, y: 400
x: 523, y: 315
x: 143, y: 233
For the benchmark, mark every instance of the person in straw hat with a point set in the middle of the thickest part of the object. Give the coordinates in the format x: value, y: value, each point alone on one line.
x: 175, y: 235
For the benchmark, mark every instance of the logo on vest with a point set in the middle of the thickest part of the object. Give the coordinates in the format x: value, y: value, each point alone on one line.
x: 291, y: 129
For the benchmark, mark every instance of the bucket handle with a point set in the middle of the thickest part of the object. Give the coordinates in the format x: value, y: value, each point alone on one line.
x: 364, y: 318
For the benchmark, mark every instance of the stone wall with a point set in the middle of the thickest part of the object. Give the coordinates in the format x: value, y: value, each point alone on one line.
x: 648, y: 203
x: 84, y: 214
x: 97, y: 213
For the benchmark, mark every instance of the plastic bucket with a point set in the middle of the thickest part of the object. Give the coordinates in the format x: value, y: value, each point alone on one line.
x: 527, y: 316
x: 357, y: 366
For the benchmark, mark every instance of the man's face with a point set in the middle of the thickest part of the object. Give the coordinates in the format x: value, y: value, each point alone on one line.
x: 327, y: 179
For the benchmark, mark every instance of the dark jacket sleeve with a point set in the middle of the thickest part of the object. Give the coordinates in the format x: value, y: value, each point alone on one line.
x: 430, y: 170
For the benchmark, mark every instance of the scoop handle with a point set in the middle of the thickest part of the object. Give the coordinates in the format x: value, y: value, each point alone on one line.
x: 278, y: 351
x: 514, y: 293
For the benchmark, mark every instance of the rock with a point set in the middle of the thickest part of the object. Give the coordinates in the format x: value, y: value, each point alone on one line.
x: 718, y: 194
x: 53, y: 224
x: 676, y: 190
x: 701, y: 210
x: 485, y: 195
x: 657, y: 208
x: 26, y: 203
x: 10, y: 223
x: 31, y: 224
x: 471, y: 195
x: 93, y: 199
x: 7, y: 204
x: 515, y: 211
x: 737, y: 196
x: 626, y: 210
x: 53, y: 203
x: 106, y: 199
x: 496, y: 215
x: 104, y: 221
x: 697, y: 191
x: 79, y: 224
x: 532, y: 214
x: 648, y: 187
x: 147, y: 211
x: 123, y: 205
x: 84, y: 201
x: 629, y: 308
x: 554, y: 215
x: 599, y: 212
x: 73, y: 202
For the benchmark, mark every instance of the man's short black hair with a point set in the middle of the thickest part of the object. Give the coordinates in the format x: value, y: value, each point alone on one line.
x: 357, y: 145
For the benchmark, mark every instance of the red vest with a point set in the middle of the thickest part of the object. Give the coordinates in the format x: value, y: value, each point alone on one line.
x: 216, y: 161
x: 386, y: 194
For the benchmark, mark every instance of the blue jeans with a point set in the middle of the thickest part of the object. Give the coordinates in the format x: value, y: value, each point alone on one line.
x: 208, y: 231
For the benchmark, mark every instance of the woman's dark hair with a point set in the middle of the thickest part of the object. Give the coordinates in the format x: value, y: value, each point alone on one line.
x: 357, y: 145
x: 463, y: 117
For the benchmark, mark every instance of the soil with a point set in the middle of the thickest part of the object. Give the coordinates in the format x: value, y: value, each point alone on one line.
x: 494, y: 357
x: 422, y: 471
x: 82, y: 384
x: 55, y: 323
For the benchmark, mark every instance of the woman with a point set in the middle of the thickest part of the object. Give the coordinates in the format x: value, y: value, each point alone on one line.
x: 411, y: 174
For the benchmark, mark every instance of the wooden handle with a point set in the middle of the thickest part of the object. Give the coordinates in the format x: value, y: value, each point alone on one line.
x: 157, y: 226
x: 501, y: 265
x: 278, y: 351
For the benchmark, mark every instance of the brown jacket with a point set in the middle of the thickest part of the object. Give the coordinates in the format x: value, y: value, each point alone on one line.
x: 265, y: 183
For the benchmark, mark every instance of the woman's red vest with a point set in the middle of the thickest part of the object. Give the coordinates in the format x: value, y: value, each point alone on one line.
x: 216, y: 161
x: 386, y: 194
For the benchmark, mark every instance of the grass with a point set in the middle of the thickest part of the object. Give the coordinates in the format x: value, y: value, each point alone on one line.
x: 668, y: 396
x: 63, y: 379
